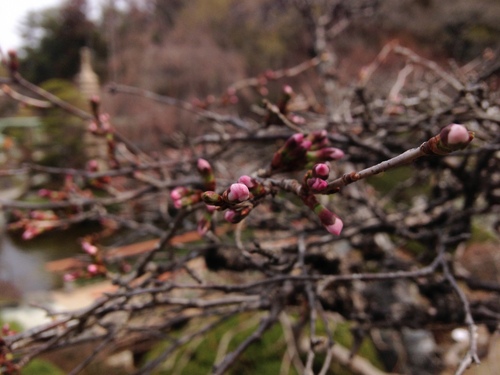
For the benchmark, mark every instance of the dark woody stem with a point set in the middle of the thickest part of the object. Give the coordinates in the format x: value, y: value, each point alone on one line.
x: 431, y: 147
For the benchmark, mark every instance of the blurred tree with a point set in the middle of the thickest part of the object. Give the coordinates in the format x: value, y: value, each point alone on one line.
x: 53, y: 38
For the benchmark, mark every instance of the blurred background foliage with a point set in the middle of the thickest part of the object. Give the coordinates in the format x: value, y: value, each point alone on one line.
x: 193, y: 49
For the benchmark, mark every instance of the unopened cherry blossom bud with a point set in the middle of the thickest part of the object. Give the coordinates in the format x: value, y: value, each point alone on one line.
x: 89, y: 248
x: 206, y: 173
x: 325, y: 154
x: 212, y: 198
x: 92, y: 165
x: 210, y: 208
x: 256, y: 188
x: 31, y: 232
x: 234, y: 216
x: 287, y: 90
x: 321, y: 170
x: 299, y: 120
x: 455, y: 134
x: 238, y: 192
x: 203, y: 166
x: 294, y: 140
x: 179, y: 192
x: 231, y: 216
x: 328, y: 219
x: 178, y: 203
x: 336, y: 227
x: 93, y: 269
x: 451, y: 138
x: 247, y: 181
x: 44, y: 193
x: 317, y: 185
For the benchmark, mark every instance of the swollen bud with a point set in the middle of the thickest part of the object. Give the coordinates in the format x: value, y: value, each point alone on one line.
x: 453, y: 137
x: 238, y: 192
x: 207, y: 173
x: 212, y: 198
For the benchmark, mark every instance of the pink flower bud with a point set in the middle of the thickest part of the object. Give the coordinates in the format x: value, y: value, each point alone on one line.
x: 68, y: 277
x: 92, y: 269
x: 306, y: 144
x: 203, y: 166
x: 44, y: 193
x: 299, y: 120
x: 325, y: 154
x: 247, y: 181
x: 211, y: 208
x: 336, y: 227
x: 333, y: 153
x: 89, y: 248
x: 295, y: 139
x: 287, y: 90
x: 31, y: 232
x: 231, y: 216
x: 238, y: 193
x: 178, y: 193
x: 92, y: 165
x: 321, y: 170
x: 457, y: 134
x: 317, y: 184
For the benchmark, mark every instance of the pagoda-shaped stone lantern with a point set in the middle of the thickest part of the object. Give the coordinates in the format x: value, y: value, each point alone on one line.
x: 87, y: 80
x: 88, y: 85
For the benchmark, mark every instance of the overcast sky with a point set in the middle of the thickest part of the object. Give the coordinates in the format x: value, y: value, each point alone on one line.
x: 13, y: 12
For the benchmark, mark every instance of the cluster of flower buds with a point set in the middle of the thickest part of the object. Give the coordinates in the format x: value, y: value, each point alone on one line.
x: 453, y: 137
x: 95, y: 267
x: 299, y: 151
x: 231, y: 200
x: 39, y: 221
x: 315, y: 178
x: 101, y: 126
x: 236, y: 198
x: 183, y: 196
